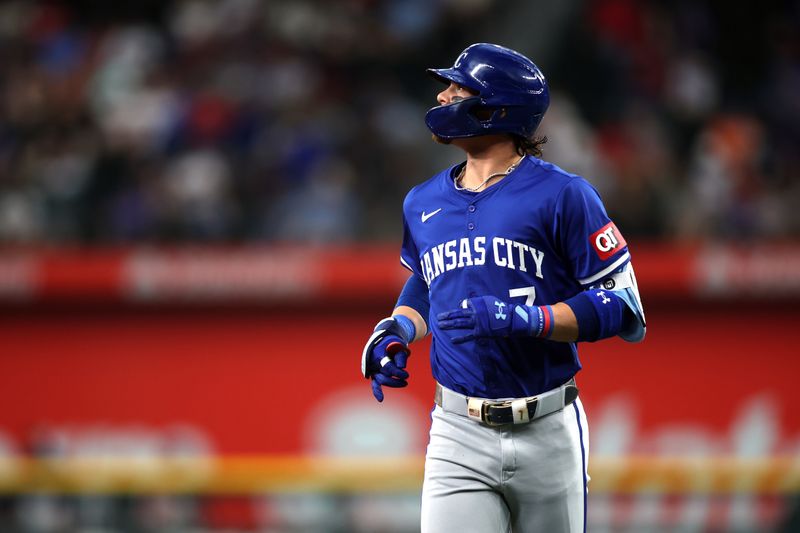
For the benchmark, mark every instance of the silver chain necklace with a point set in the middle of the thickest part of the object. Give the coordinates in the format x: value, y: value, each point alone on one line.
x: 458, y: 178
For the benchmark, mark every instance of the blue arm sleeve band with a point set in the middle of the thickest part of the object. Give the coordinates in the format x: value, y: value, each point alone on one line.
x: 600, y: 314
x: 415, y: 296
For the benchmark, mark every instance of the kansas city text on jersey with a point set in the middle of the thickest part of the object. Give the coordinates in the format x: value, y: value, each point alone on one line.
x: 464, y: 252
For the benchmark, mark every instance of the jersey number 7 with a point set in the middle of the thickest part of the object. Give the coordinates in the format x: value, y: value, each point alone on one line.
x: 528, y: 292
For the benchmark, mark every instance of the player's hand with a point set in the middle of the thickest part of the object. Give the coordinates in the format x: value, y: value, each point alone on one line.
x: 387, y: 363
x: 487, y: 316
x: 384, y: 358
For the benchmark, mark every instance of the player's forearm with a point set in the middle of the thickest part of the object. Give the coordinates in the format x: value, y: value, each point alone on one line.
x: 414, y: 303
x: 565, y: 324
x: 413, y: 315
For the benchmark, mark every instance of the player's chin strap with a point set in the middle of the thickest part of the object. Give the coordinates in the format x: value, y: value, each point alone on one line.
x: 623, y: 284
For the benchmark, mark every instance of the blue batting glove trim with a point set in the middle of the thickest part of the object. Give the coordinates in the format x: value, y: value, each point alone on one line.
x: 541, y: 317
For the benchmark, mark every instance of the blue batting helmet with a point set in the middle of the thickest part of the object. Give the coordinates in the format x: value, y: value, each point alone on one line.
x: 512, y: 94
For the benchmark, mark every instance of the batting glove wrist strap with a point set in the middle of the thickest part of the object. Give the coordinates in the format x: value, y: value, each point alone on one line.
x: 543, y: 326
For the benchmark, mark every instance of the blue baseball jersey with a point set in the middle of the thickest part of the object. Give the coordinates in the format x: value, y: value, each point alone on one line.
x: 538, y: 236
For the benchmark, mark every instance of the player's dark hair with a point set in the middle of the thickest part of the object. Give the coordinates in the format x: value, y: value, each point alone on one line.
x: 529, y: 146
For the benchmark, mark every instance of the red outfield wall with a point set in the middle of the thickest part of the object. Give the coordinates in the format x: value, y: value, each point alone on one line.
x: 267, y: 382
x: 257, y: 351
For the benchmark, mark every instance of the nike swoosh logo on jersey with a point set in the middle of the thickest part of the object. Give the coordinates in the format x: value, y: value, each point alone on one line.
x: 426, y: 216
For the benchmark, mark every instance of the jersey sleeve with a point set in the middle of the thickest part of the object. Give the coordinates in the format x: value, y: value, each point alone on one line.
x: 587, y: 237
x: 409, y: 255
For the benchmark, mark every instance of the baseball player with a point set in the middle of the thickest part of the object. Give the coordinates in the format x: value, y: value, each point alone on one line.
x: 514, y: 261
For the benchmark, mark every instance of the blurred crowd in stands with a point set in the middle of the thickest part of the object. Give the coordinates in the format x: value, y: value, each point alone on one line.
x: 302, y: 120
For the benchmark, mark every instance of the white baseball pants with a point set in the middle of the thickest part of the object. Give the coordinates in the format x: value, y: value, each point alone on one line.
x: 522, y: 478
